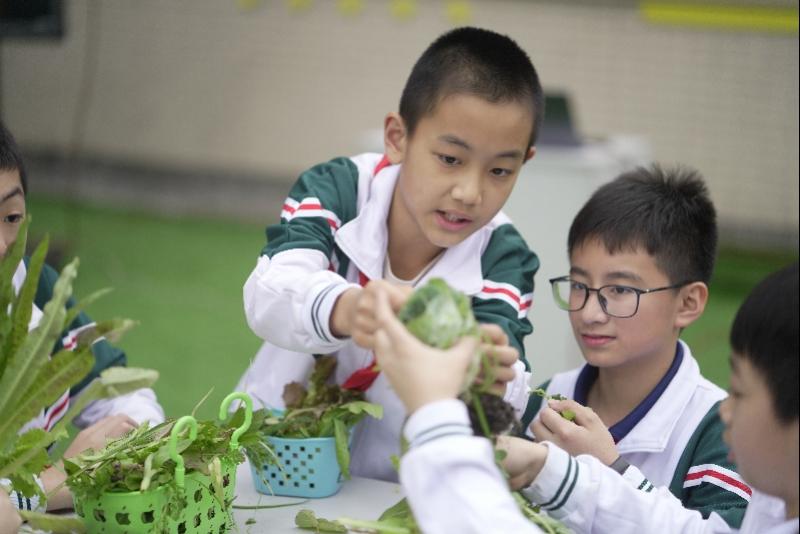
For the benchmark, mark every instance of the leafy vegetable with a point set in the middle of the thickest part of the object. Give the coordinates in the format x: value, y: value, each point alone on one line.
x: 324, y: 410
x: 567, y: 414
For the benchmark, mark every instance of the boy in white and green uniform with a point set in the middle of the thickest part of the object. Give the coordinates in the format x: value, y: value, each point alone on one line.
x: 641, y: 254
x: 430, y: 207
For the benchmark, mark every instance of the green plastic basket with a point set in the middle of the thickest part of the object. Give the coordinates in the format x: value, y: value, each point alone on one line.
x: 140, y: 512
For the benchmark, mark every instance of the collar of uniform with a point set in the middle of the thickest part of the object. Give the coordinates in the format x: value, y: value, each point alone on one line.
x: 653, y: 431
x: 364, y: 240
x: 619, y: 430
x: 19, y: 276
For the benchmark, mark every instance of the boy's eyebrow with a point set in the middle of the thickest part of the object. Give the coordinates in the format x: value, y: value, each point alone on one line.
x: 14, y: 192
x: 624, y: 275
x: 615, y: 275
x: 453, y: 140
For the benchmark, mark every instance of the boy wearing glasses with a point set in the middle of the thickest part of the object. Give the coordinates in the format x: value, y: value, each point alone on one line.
x: 641, y: 255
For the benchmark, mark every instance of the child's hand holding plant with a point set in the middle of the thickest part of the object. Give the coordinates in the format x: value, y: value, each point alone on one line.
x: 501, y: 357
x: 354, y: 312
x: 585, y: 434
x: 420, y: 374
x: 523, y: 460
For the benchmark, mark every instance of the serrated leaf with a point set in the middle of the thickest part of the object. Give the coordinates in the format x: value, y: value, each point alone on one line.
x: 8, y: 266
x: 121, y: 380
x: 371, y: 409
x: 54, y: 378
x: 342, y: 447
x: 84, y: 303
x: 23, y: 305
x: 28, y: 456
x: 22, y: 367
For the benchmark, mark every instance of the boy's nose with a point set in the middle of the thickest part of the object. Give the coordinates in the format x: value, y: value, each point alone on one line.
x: 592, y: 311
x: 467, y: 189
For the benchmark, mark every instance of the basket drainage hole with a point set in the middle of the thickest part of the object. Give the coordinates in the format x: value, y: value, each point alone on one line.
x: 211, y: 513
x: 311, y: 471
x: 302, y: 449
x: 197, y: 520
x: 198, y: 496
x: 317, y: 450
x: 99, y: 515
x: 122, y: 519
x: 148, y: 517
x: 311, y: 485
x: 182, y: 528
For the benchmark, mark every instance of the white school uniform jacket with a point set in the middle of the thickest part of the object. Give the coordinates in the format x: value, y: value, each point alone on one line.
x: 452, y: 483
x: 140, y: 405
x: 673, y: 439
x: 332, y: 236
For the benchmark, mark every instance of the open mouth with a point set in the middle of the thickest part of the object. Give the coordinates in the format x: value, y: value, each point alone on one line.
x: 451, y: 222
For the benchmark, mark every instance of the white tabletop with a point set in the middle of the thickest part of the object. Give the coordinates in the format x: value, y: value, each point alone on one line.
x: 359, y: 498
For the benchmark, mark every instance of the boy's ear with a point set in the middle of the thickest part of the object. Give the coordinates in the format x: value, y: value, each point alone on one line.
x: 394, y: 137
x: 530, y: 154
x: 693, y: 301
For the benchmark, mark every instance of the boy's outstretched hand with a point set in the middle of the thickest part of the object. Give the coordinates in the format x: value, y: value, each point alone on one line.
x: 418, y: 373
x: 354, y: 312
x: 586, y: 434
x: 502, y: 358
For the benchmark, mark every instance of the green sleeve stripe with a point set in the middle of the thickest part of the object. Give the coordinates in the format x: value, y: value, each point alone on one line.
x: 706, y: 447
x: 571, y: 487
x: 562, y: 485
x: 322, y: 199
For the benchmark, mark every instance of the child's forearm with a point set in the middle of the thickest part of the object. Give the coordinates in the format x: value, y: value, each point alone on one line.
x: 590, y: 497
x: 288, y: 301
x: 448, y: 470
x: 53, y: 480
x: 341, y: 323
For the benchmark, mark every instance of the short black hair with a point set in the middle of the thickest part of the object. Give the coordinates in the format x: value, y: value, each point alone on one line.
x: 472, y: 61
x: 10, y: 156
x: 668, y: 212
x: 765, y: 332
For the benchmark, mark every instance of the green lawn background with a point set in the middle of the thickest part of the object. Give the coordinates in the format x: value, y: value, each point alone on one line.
x: 182, y: 278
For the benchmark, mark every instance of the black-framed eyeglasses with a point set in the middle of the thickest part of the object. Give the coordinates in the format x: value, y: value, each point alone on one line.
x: 615, y: 300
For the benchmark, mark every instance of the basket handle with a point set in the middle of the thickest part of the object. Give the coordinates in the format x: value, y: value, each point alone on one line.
x: 180, y: 470
x: 248, y: 415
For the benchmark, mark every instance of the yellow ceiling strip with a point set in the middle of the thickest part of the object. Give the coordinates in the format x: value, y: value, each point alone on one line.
x: 721, y: 16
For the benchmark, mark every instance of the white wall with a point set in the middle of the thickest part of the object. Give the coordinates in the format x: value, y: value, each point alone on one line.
x: 198, y: 83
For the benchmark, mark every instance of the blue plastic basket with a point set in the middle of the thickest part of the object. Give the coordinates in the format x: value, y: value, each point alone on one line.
x: 310, y: 468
